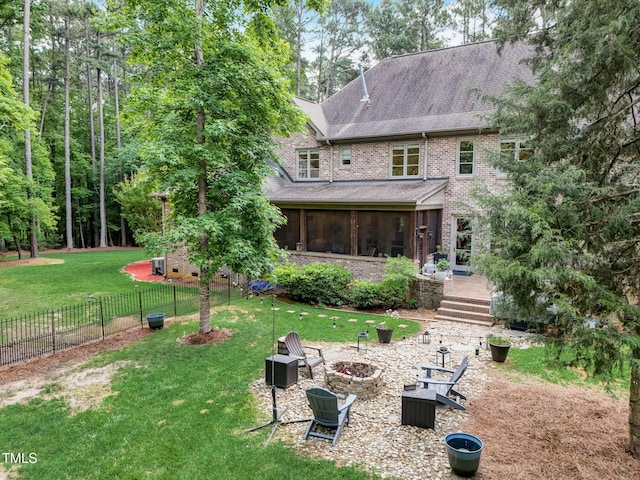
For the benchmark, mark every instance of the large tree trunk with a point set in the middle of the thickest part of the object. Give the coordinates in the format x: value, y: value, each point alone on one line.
x: 33, y: 242
x: 634, y: 407
x: 299, y: 50
x: 205, y: 300
x: 67, y: 137
x: 103, y: 212
x: 93, y: 233
x: 123, y: 224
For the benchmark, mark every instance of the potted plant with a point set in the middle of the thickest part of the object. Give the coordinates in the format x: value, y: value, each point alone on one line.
x: 442, y: 267
x: 499, y: 347
x: 384, y: 332
x: 439, y: 254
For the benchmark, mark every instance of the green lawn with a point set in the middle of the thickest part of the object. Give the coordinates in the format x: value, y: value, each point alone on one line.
x: 30, y: 289
x: 181, y: 412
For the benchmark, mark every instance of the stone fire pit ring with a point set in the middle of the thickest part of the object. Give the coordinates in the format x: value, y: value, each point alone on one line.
x: 359, y: 378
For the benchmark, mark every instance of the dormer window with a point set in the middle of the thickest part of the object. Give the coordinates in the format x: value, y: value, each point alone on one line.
x: 405, y: 160
x: 308, y: 165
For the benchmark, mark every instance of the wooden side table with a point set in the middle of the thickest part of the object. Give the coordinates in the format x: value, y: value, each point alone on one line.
x: 284, y: 369
x: 419, y: 407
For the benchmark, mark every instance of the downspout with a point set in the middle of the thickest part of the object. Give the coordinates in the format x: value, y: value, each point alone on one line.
x: 330, y: 161
x: 424, y: 170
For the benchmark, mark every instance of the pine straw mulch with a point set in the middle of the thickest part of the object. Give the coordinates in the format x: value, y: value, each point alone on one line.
x: 536, y: 430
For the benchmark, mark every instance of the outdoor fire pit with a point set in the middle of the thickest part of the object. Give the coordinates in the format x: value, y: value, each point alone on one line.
x: 360, y: 378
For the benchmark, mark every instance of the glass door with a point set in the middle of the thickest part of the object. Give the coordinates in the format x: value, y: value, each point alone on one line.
x: 463, y: 244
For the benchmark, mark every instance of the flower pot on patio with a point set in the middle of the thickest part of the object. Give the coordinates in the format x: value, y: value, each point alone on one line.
x: 384, y: 334
x: 155, y: 320
x: 499, y: 348
x: 463, y: 450
x: 442, y: 276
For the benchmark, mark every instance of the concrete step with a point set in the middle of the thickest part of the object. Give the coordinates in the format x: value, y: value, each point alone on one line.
x: 463, y: 320
x: 467, y: 300
x: 468, y: 314
x: 459, y: 305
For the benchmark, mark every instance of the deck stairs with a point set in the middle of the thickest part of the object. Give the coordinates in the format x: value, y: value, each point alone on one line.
x: 465, y: 310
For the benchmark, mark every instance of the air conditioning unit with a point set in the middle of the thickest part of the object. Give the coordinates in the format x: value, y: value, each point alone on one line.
x: 157, y: 266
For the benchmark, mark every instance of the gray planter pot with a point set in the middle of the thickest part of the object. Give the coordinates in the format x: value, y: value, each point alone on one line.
x: 499, y: 352
x: 384, y: 334
x: 155, y: 320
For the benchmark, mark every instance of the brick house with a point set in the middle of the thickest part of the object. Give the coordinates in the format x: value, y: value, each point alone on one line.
x: 385, y: 163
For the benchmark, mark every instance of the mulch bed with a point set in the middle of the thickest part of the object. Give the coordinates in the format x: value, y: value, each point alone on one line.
x: 141, y: 272
x: 536, y: 430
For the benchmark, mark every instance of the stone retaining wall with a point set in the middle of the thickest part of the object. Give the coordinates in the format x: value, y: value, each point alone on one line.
x: 427, y: 291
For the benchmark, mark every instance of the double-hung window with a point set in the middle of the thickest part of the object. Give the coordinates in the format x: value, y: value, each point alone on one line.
x: 466, y: 158
x: 308, y: 164
x: 345, y: 156
x: 405, y: 160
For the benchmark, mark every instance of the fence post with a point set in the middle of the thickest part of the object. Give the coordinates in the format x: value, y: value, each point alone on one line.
x: 175, y: 302
x: 101, y: 318
x: 53, y: 330
x: 228, y: 289
x: 139, y: 304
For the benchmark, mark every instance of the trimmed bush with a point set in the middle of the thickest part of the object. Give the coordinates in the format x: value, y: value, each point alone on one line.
x: 364, y: 294
x: 285, y: 275
x: 392, y: 293
x: 321, y: 283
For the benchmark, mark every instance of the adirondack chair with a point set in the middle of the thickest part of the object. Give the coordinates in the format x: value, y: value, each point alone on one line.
x: 444, y: 388
x: 297, y: 349
x: 328, y: 414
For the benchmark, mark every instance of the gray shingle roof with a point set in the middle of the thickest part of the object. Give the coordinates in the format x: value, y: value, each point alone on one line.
x: 431, y: 92
x: 413, y: 193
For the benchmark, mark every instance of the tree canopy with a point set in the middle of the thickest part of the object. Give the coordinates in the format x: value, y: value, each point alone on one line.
x: 207, y: 111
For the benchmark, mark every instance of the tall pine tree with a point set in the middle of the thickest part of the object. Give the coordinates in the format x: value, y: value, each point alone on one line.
x: 566, y: 232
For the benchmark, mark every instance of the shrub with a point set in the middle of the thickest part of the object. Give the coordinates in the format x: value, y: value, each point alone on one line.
x: 286, y: 275
x: 392, y: 293
x: 400, y: 269
x: 321, y: 283
x: 364, y: 294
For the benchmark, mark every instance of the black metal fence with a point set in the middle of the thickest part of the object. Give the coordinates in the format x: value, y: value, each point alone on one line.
x: 30, y: 336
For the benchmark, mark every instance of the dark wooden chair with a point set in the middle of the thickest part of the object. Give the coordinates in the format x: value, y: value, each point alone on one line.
x: 328, y: 414
x: 297, y: 349
x: 444, y: 388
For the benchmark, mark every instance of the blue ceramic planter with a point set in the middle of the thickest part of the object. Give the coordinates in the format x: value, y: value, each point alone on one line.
x: 463, y: 450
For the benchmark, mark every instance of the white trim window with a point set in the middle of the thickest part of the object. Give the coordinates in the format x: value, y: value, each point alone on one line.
x: 466, y: 158
x: 345, y: 156
x: 515, y: 149
x: 308, y: 164
x: 405, y: 160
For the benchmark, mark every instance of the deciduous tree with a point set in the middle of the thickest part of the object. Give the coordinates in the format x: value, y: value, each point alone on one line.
x: 208, y: 107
